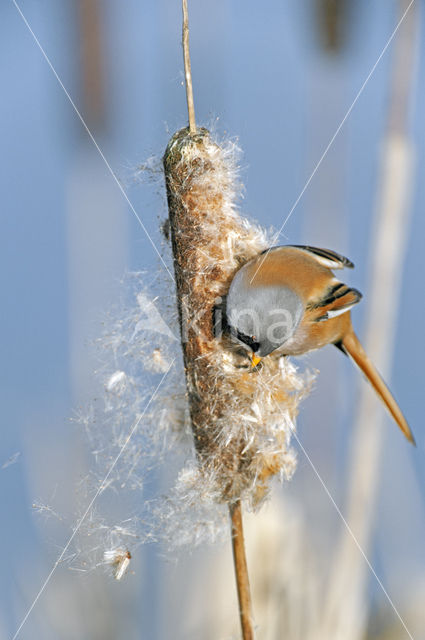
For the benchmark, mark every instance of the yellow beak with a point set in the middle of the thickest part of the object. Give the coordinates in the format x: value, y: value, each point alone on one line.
x: 254, y: 360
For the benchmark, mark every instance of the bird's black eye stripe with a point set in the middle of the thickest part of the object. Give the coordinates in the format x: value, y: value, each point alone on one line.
x: 221, y: 326
x: 248, y: 340
x: 219, y: 318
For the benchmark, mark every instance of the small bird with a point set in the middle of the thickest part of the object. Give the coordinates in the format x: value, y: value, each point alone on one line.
x: 287, y: 301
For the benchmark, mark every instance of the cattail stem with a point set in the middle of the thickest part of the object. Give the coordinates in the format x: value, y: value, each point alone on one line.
x: 188, y: 71
x: 241, y: 571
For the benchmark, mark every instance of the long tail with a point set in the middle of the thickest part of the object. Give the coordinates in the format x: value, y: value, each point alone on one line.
x: 350, y: 344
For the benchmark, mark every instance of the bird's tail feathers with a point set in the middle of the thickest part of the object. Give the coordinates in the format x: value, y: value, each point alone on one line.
x: 351, y: 345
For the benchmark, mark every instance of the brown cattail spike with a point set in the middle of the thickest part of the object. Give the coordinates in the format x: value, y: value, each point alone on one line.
x: 241, y: 420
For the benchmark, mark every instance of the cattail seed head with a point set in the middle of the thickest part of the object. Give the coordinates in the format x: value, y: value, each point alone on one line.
x: 241, y: 420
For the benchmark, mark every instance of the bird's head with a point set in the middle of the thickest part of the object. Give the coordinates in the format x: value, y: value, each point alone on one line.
x: 261, y: 317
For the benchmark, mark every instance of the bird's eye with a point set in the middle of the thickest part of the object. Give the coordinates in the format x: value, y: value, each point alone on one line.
x: 250, y: 341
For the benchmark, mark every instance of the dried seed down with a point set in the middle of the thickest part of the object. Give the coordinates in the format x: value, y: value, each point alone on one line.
x: 241, y: 420
x: 119, y: 559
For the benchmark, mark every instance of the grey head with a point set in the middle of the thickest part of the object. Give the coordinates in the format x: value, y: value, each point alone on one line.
x: 262, y: 317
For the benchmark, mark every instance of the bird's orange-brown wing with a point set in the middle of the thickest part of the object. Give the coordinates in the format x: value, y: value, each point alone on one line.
x: 336, y: 300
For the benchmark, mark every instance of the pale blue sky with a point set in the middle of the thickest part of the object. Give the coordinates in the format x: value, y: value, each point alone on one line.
x: 260, y: 75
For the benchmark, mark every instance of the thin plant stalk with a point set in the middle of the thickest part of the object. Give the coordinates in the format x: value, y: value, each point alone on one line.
x: 188, y: 71
x: 241, y: 571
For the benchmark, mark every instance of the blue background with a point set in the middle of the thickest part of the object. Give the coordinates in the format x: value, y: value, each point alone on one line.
x: 67, y: 234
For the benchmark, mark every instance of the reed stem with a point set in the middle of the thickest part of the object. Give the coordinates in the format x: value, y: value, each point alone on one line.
x: 188, y: 71
x: 241, y: 571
